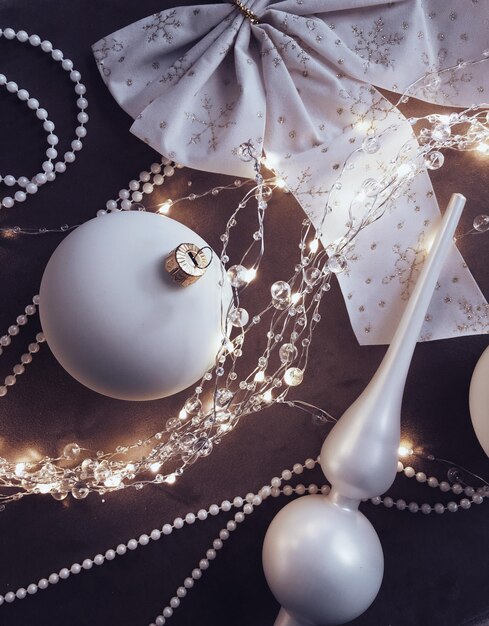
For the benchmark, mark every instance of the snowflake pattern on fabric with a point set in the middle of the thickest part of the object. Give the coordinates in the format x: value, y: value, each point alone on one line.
x: 161, y: 26
x: 408, y: 265
x: 212, y: 122
x: 374, y: 46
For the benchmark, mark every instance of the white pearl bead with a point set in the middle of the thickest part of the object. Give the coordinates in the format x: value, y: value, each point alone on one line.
x: 238, y: 502
x: 98, y: 559
x: 87, y: 564
x: 9, y: 180
x: 196, y: 574
x: 32, y: 589
x: 167, y: 612
x: 188, y: 583
x: 69, y: 157
x: 401, y: 504
x: 202, y: 514
x: 22, y: 36
x: 132, y: 544
x: 147, y: 188
x: 310, y: 463
x: 33, y: 104
x: 239, y: 517
x: 432, y: 481
x: 465, y: 503
x: 48, y: 126
x: 31, y: 188
x: 126, y: 205
x: 224, y: 534
x: 214, y: 509
x: 110, y: 555
x: 67, y: 65
x: 388, y: 502
x: 60, y: 167
x: 134, y: 185
x: 155, y: 168
x: 298, y: 469
x: 425, y: 508
x: 158, y: 179
x: 75, y: 76
x: 12, y: 87
x: 275, y: 492
x: 51, y: 153
x: 3, y: 79
x: 160, y: 620
x: 41, y: 114
x: 413, y: 507
x: 9, y: 596
x: 444, y: 486
x: 21, y: 593
x: 178, y: 522
x: 276, y: 482
x: 457, y: 488
x: 76, y: 145
x: 211, y: 554
x: 75, y: 569
x: 34, y: 40
x: 41, y: 179
x: 64, y: 573
x: 82, y: 117
x: 23, y: 95
x: 439, y: 508
x: 82, y: 103
x: 168, y: 170
x: 8, y: 202
x: 174, y: 603
x: 46, y: 46
x: 421, y: 477
x: 452, y: 507
x: 47, y: 166
x: 226, y: 505
x: 144, y: 176
x: 217, y: 544
x: 376, y: 500
x: 313, y: 489
x: 143, y: 540
x: 265, y: 491
x: 137, y: 196
x: 50, y: 176
x: 43, y: 583
x: 167, y: 529
x: 53, y: 140
x: 181, y: 592
x: 80, y: 131
x: 9, y: 33
x: 2, y: 600
x: 121, y: 549
x: 231, y: 525
x: 300, y: 490
x: 190, y: 518
x: 286, y: 474
x: 80, y: 89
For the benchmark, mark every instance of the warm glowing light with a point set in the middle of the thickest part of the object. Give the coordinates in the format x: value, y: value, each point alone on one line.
x: 250, y: 274
x: 46, y: 487
x: 295, y: 297
x: 130, y: 467
x: 154, y: 467
x: 260, y: 376
x: 405, y: 449
x: 19, y: 469
x: 362, y: 126
x: 267, y: 396
x: 280, y: 183
x: 314, y: 245
x: 483, y: 148
x: 171, y: 479
x: 165, y: 206
x: 404, y: 170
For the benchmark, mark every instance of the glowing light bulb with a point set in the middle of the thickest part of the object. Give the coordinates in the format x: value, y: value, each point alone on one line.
x: 267, y: 396
x: 130, y: 467
x: 314, y: 245
x: 171, y: 479
x: 154, y: 467
x: 280, y: 183
x: 364, y: 125
x: 483, y: 148
x: 46, y: 487
x: 405, y: 449
x: 165, y: 206
x: 295, y: 297
x: 250, y: 274
x: 19, y: 469
x: 260, y: 376
x: 113, y: 481
x: 183, y: 414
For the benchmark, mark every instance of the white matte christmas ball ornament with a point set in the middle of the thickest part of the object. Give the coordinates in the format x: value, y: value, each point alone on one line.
x: 115, y: 319
x: 479, y: 400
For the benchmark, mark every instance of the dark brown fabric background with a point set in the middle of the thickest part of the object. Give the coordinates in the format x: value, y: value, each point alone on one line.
x: 437, y: 567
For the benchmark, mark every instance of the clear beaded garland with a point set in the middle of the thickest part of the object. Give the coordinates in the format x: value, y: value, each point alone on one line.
x: 220, y: 400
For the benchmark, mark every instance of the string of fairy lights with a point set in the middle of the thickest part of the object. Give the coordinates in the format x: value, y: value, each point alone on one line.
x: 224, y: 396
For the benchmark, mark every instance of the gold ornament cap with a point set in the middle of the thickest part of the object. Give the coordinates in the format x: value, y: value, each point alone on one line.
x: 186, y: 264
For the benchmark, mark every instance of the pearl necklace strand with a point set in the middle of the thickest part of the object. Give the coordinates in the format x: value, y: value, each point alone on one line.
x: 245, y: 505
x: 28, y: 186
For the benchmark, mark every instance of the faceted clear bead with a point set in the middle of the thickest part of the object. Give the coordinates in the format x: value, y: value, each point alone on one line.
x: 371, y: 145
x: 371, y: 187
x: 172, y: 423
x: 80, y: 490
x: 434, y: 160
x: 337, y: 264
x: 192, y: 406
x: 238, y: 317
x: 432, y: 82
x: 293, y: 376
x: 202, y: 447
x: 237, y: 275
x: 71, y: 451
x: 287, y: 353
x: 441, y: 132
x: 481, y: 223
x: 223, y: 397
x: 281, y: 293
x: 312, y: 275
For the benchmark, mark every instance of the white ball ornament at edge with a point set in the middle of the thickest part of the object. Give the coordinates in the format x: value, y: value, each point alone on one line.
x: 479, y: 400
x: 115, y: 319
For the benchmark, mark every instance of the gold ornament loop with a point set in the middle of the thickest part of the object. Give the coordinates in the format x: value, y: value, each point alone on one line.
x: 248, y: 13
x: 187, y: 263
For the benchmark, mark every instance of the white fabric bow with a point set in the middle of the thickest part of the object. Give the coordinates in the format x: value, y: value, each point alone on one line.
x: 201, y: 80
